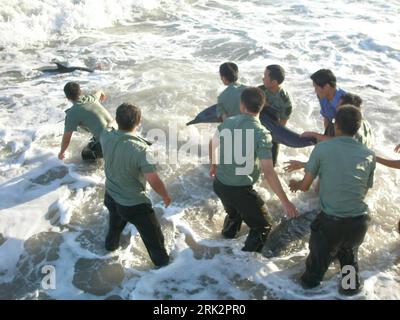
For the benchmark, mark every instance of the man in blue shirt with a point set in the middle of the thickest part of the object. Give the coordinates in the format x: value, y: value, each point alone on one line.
x: 324, y: 82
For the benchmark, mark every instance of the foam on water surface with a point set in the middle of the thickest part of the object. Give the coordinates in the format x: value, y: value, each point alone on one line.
x: 164, y: 55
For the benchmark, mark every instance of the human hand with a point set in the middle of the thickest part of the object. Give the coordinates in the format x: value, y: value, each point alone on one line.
x: 290, y: 210
x: 293, y: 165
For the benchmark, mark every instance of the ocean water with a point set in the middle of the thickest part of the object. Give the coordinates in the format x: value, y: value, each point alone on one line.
x: 164, y: 56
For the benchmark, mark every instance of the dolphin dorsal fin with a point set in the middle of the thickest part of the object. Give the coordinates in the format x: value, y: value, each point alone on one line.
x: 60, y: 66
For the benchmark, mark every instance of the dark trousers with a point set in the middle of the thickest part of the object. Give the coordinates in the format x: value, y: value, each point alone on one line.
x: 92, y: 151
x: 142, y: 216
x: 244, y: 204
x: 275, y: 151
x: 334, y: 238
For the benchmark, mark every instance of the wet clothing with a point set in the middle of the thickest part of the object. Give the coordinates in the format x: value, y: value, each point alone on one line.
x: 279, y: 107
x: 279, y: 103
x: 92, y: 151
x: 126, y: 159
x: 243, y: 203
x: 329, y: 108
x: 235, y: 188
x: 87, y: 113
x: 345, y: 168
x: 334, y: 238
x: 142, y: 216
x: 229, y: 100
x: 250, y: 130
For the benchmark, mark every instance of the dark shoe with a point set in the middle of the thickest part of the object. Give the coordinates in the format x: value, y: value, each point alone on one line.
x: 112, y: 242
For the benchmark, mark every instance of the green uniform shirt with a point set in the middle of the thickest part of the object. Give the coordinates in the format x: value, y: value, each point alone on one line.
x: 280, y: 103
x: 89, y: 114
x: 364, y: 134
x: 235, y: 127
x: 229, y: 100
x: 345, y: 168
x: 125, y: 162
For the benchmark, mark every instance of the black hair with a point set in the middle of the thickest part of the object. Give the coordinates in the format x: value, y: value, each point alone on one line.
x: 351, y: 99
x: 229, y: 71
x: 253, y: 99
x: 323, y: 77
x: 128, y: 116
x: 72, y: 91
x: 276, y: 72
x: 348, y: 119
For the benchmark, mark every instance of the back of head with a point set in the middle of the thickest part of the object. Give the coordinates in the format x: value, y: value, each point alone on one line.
x: 128, y: 116
x: 351, y: 99
x: 276, y: 72
x: 323, y: 77
x: 253, y: 99
x: 348, y: 120
x: 229, y: 71
x: 72, y: 91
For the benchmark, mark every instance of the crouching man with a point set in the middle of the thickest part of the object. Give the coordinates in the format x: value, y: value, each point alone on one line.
x: 127, y: 168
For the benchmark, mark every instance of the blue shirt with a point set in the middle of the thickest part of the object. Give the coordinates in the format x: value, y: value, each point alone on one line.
x: 329, y: 108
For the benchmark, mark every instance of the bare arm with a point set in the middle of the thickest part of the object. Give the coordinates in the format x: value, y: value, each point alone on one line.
x: 293, y: 165
x: 273, y: 180
x: 100, y: 95
x: 66, y: 139
x: 318, y: 136
x: 389, y: 163
x: 158, y: 186
x: 302, y: 185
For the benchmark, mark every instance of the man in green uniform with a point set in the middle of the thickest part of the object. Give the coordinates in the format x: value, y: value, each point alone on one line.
x: 278, y: 103
x: 88, y: 113
x: 229, y: 100
x: 345, y: 169
x: 235, y: 176
x: 128, y: 166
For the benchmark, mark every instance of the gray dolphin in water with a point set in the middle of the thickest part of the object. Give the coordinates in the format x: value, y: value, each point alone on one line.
x: 280, y: 134
x: 63, y: 69
x: 289, y: 235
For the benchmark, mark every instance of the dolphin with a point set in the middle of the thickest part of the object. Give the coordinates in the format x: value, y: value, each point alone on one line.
x: 289, y: 235
x: 63, y: 69
x: 280, y: 134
